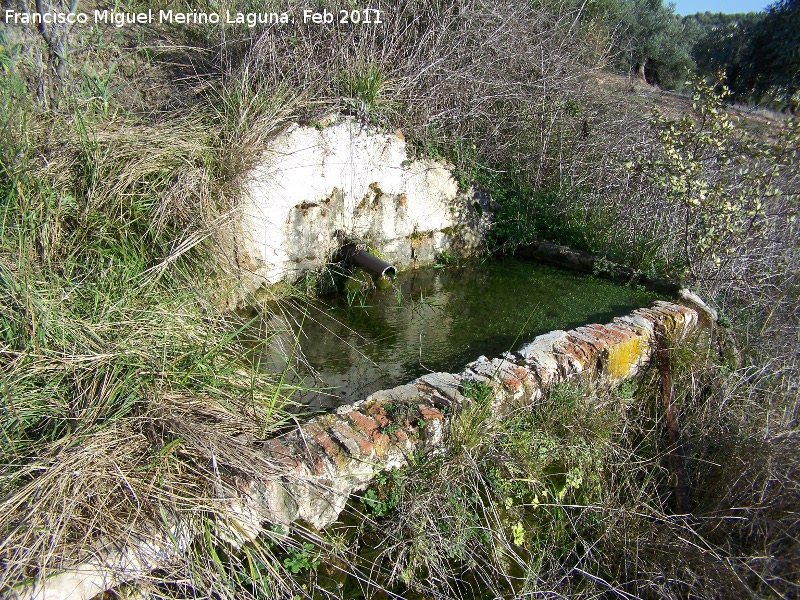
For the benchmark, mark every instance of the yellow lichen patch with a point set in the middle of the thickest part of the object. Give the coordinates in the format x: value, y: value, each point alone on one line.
x: 623, y: 357
x: 376, y: 188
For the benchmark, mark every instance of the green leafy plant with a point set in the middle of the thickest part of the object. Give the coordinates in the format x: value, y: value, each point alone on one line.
x: 364, y: 93
x: 443, y: 259
x: 477, y: 390
x: 301, y: 558
x: 380, y: 506
x: 398, y: 411
x: 357, y: 288
x: 722, y: 176
x: 98, y: 88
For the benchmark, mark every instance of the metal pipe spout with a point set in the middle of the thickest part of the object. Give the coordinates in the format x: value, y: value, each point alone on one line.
x: 359, y: 257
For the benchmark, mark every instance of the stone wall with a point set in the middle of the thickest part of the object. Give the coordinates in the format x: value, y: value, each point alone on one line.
x: 310, y: 472
x: 331, y: 457
x: 343, y: 176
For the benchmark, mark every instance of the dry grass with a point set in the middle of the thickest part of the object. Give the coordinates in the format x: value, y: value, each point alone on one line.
x: 574, y: 498
x: 126, y: 389
x: 126, y: 400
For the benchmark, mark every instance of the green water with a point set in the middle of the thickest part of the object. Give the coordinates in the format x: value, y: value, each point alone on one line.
x: 439, y: 319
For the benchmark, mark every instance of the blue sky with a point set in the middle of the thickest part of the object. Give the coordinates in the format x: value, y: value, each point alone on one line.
x: 689, y: 7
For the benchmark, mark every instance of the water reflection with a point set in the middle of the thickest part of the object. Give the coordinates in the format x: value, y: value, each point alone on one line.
x: 440, y: 319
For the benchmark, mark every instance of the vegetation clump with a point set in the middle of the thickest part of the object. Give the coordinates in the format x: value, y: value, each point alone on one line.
x: 132, y: 395
x: 571, y: 495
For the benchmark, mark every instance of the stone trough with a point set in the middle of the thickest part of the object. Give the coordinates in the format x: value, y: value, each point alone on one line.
x: 322, y: 462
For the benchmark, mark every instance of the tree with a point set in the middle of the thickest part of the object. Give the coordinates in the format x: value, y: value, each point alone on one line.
x: 653, y: 41
x: 759, y: 53
x: 725, y: 46
x: 775, y: 51
x: 722, y: 177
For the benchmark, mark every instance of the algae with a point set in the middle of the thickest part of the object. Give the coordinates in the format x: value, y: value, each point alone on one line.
x: 441, y: 319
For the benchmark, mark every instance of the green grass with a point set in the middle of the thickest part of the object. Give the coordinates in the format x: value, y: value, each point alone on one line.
x: 497, y: 515
x: 126, y: 390
x: 124, y: 380
x: 574, y: 494
x: 365, y: 92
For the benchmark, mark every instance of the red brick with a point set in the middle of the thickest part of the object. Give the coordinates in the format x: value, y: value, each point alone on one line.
x: 371, y: 428
x: 321, y: 437
x: 401, y: 435
x: 520, y: 373
x: 613, y: 332
x: 362, y: 422
x: 576, y: 351
x: 429, y: 413
x: 594, y: 335
x: 343, y: 432
x: 588, y: 339
x: 376, y: 411
x: 512, y: 384
x: 648, y: 315
x: 282, y: 453
x: 365, y: 445
x: 588, y: 349
x: 380, y: 440
x: 634, y: 330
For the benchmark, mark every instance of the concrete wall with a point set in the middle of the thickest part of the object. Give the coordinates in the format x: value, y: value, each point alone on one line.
x: 313, y: 181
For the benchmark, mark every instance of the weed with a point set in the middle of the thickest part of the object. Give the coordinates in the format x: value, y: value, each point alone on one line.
x: 357, y: 287
x: 301, y: 558
x: 525, y: 215
x: 471, y: 424
x: 479, y: 391
x: 381, y: 501
x: 364, y: 92
x: 443, y: 259
x: 120, y: 371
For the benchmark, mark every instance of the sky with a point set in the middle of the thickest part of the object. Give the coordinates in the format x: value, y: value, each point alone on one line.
x: 689, y: 7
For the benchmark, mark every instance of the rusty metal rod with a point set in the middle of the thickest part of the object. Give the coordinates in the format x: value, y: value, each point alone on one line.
x: 676, y: 452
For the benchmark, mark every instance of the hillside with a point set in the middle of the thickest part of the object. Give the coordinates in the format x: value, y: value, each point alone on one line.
x: 133, y: 400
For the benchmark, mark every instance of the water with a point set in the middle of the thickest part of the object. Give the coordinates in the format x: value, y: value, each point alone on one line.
x: 439, y: 319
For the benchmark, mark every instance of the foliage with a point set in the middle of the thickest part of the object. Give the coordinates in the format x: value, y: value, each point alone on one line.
x: 723, y: 45
x: 756, y: 51
x: 301, y: 559
x: 723, y: 177
x: 365, y: 93
x: 385, y: 495
x: 525, y: 215
x: 121, y: 368
x: 775, y: 55
x: 652, y: 42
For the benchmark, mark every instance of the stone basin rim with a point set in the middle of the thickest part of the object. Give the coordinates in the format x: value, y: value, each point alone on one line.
x: 317, y: 466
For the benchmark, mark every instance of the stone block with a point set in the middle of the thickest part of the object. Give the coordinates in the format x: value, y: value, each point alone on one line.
x: 401, y: 393
x: 443, y: 384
